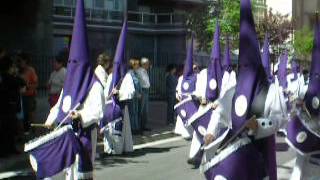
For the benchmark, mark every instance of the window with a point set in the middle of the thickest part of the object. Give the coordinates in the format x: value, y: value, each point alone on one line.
x: 88, y: 4
x: 58, y: 2
x: 99, y: 4
x: 114, y: 4
x: 67, y: 3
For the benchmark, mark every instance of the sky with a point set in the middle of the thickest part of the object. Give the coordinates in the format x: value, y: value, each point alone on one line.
x: 281, y: 6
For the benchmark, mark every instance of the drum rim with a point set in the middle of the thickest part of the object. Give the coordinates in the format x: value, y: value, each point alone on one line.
x: 199, y: 114
x: 32, y: 144
x: 189, y: 98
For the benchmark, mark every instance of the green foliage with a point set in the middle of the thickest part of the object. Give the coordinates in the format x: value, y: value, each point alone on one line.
x: 229, y: 18
x: 303, y: 42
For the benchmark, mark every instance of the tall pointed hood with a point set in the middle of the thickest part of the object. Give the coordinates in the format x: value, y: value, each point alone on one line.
x: 119, y: 59
x: 189, y: 78
x: 295, y: 69
x: 252, y: 77
x: 227, y: 65
x: 214, y: 76
x: 266, y: 58
x: 313, y: 93
x: 282, y: 70
x: 112, y: 111
x: 252, y: 84
x: 80, y: 76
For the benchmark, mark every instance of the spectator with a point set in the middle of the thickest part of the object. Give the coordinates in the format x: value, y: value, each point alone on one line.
x: 104, y: 63
x: 171, y: 84
x: 10, y: 88
x: 134, y: 103
x: 144, y: 80
x: 3, y: 52
x: 30, y: 77
x: 56, y: 81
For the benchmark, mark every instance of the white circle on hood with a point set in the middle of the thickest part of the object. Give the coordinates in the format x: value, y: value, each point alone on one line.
x: 183, y: 113
x: 220, y: 177
x: 202, y: 130
x: 301, y: 137
x: 186, y: 85
x: 66, y: 104
x: 315, y: 102
x: 212, y: 84
x: 241, y: 105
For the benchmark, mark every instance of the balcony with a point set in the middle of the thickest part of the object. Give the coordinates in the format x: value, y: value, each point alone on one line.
x: 102, y: 16
x: 183, y: 4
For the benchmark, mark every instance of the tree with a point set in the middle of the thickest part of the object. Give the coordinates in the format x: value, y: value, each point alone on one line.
x: 303, y: 42
x: 197, y: 22
x: 279, y: 28
x: 227, y: 12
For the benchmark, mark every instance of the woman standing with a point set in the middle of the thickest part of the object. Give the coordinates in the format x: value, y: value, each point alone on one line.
x: 134, y: 103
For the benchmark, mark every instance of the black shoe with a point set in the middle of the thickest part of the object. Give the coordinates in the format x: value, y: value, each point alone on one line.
x: 191, y: 161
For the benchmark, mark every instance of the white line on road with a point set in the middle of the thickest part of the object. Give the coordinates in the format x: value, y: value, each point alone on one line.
x: 156, y: 143
x: 11, y: 174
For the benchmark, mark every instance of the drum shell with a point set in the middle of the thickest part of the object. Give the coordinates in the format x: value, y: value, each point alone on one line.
x: 301, y: 138
x: 201, y: 123
x: 186, y: 109
x: 54, y: 152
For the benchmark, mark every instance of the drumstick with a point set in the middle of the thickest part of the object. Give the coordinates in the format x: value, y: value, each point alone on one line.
x: 75, y: 108
x: 40, y: 126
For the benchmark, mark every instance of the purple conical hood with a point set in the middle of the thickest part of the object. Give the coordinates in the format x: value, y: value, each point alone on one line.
x: 252, y: 83
x: 313, y: 93
x: 188, y: 84
x: 214, y: 76
x: 282, y: 70
x: 80, y: 76
x: 266, y: 59
x: 251, y: 76
x: 188, y: 71
x: 295, y: 69
x: 227, y: 65
x: 118, y: 65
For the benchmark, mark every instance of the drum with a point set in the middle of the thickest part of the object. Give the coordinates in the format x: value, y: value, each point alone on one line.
x: 200, y: 121
x: 54, y: 152
x: 303, y: 134
x: 186, y: 109
x: 112, y: 112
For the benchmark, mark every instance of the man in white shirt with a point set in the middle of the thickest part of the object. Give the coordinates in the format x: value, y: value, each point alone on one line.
x: 145, y: 84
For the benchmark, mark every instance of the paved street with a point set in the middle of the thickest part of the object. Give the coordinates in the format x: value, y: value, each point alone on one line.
x: 161, y: 160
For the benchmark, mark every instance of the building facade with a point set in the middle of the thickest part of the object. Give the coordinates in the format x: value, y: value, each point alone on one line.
x: 156, y: 28
x: 260, y: 10
x: 303, y: 12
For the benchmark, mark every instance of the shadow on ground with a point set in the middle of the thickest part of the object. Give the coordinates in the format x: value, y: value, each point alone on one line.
x: 117, y: 160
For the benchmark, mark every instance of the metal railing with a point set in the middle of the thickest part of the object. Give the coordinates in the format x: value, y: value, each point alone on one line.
x: 139, y: 17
